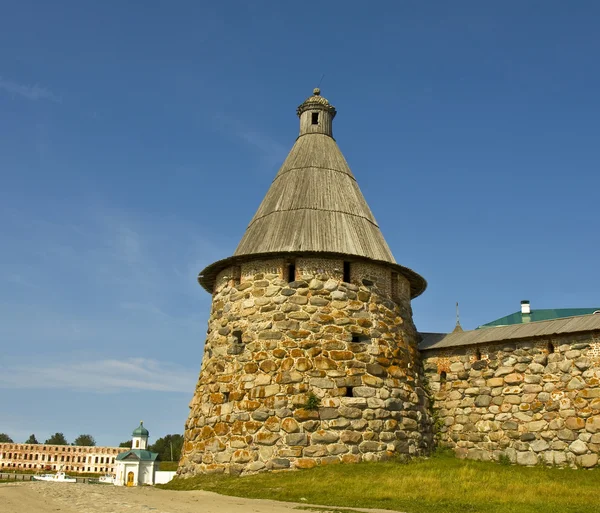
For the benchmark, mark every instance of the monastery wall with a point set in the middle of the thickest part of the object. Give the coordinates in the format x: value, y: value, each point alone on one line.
x: 73, y: 458
x: 531, y: 401
x: 306, y: 370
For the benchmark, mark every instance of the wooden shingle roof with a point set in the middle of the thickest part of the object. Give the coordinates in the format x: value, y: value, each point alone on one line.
x: 315, y: 204
x: 567, y: 325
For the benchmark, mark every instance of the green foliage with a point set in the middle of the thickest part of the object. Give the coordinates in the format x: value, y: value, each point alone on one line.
x: 168, y: 465
x: 5, y: 439
x: 126, y: 444
x: 312, y: 402
x: 504, y: 459
x: 168, y: 447
x: 57, y: 439
x: 31, y: 440
x: 441, y: 484
x: 86, y: 440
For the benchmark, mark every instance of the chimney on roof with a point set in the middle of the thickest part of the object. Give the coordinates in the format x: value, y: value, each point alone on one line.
x: 525, y: 307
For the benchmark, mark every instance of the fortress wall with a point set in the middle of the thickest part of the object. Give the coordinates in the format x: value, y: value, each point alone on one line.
x: 534, y: 401
x: 308, y: 372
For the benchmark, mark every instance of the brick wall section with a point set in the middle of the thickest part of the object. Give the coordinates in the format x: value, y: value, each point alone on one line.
x: 272, y: 343
x: 532, y: 401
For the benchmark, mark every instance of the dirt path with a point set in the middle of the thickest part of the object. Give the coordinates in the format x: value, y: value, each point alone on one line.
x: 85, y: 498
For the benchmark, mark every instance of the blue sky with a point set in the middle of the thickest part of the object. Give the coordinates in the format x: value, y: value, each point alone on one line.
x: 138, y: 138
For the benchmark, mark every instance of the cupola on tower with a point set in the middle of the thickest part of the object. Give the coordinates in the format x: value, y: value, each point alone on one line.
x: 311, y: 352
x: 139, y: 437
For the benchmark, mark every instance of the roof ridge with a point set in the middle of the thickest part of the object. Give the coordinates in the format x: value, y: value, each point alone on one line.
x: 286, y: 171
x: 494, y: 334
x: 311, y: 208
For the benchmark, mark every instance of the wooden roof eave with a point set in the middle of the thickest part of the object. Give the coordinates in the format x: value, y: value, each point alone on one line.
x: 208, y: 276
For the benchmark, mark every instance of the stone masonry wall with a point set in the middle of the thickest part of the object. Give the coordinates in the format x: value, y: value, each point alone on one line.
x: 274, y: 347
x: 532, y: 401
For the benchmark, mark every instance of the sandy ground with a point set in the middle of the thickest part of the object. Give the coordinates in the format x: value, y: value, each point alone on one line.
x: 40, y: 497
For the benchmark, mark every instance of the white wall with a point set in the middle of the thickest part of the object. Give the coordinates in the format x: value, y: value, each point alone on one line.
x: 163, y: 476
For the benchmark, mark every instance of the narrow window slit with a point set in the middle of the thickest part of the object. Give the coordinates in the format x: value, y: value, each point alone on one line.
x: 550, y: 347
x: 315, y: 118
x: 478, y: 355
x: 347, y: 272
x: 349, y: 392
x: 291, y: 273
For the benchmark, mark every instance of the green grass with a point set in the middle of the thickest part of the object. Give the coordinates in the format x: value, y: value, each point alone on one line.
x: 441, y: 484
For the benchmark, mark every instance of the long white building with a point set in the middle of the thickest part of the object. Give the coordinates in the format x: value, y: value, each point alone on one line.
x: 72, y: 458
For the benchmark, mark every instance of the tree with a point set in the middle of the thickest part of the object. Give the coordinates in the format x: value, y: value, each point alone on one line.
x: 5, y: 439
x: 126, y: 444
x: 168, y: 447
x: 87, y: 440
x: 31, y: 440
x: 57, y: 439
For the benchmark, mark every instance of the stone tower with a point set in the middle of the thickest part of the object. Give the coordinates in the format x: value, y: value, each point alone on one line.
x: 311, y: 352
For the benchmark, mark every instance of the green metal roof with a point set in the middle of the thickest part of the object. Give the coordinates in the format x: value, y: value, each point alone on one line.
x: 138, y: 454
x: 140, y: 430
x: 539, y: 315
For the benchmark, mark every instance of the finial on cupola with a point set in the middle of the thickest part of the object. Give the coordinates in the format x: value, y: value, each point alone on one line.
x: 316, y: 115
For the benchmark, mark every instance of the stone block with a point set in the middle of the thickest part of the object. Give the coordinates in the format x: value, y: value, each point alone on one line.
x: 350, y: 413
x: 339, y: 423
x: 364, y: 392
x: 576, y: 383
x: 574, y: 423
x: 278, y: 463
x: 266, y: 438
x: 290, y: 425
x: 587, y: 460
x: 304, y: 463
x: 255, y: 466
x: 578, y: 447
x: 297, y: 439
x: 322, y: 383
x: 527, y: 458
x: 592, y: 425
x: 335, y: 449
x: 351, y: 437
x: 370, y: 447
x: 539, y: 445
x: 495, y: 382
x: 483, y: 400
x: 324, y: 437
x: 315, y: 451
x: 513, y: 378
x: 537, y: 425
x: 242, y: 456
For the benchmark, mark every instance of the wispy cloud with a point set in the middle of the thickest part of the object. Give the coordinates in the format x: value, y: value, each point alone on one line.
x: 31, y: 92
x: 101, y: 376
x: 105, y: 282
x: 271, y: 150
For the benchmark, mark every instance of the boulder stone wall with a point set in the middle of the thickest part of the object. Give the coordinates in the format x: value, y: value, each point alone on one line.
x: 534, y: 402
x: 306, y: 370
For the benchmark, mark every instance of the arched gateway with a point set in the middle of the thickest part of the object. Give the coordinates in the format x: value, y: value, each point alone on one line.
x: 311, y: 353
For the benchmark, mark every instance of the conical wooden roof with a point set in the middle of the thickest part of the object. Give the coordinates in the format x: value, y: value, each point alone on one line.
x: 314, y: 205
